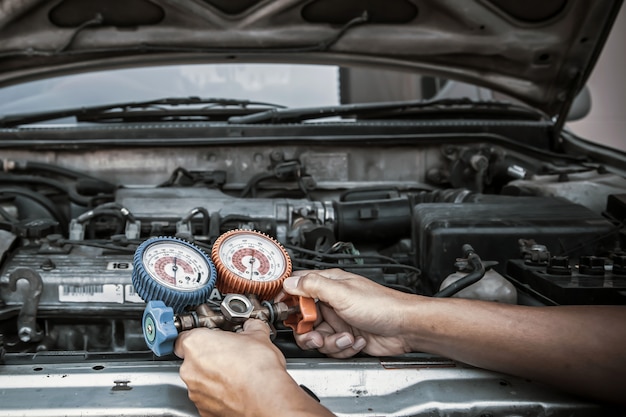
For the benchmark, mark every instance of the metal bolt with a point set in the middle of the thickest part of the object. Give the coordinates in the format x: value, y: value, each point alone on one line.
x: 479, y: 162
x: 516, y: 171
x: 25, y: 334
x: 277, y: 156
x: 236, y: 308
x: 48, y: 265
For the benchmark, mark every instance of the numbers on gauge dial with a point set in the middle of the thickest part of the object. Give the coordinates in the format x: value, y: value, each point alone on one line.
x: 176, y: 265
x: 252, y: 257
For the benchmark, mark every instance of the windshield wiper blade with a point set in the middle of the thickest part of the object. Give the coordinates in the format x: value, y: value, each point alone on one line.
x: 166, y: 115
x: 85, y: 113
x: 361, y: 109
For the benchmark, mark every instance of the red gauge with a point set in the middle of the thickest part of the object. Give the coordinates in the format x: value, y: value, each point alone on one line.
x: 250, y: 262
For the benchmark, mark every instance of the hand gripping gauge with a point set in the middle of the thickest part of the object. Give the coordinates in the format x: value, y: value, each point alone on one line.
x: 265, y: 264
x: 250, y: 262
x: 161, y: 326
x: 173, y: 271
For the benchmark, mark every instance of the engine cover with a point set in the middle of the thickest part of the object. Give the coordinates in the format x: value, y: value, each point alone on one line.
x: 79, y: 280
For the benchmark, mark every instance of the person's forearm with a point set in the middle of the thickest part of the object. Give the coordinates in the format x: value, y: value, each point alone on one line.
x: 578, y: 348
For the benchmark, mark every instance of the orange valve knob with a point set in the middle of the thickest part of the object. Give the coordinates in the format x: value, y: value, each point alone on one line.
x: 250, y: 262
x: 303, y: 320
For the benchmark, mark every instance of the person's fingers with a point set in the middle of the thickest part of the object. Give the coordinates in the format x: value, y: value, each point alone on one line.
x: 328, y: 322
x: 331, y: 318
x: 316, y: 340
x: 342, y: 345
x: 256, y: 328
x: 179, y: 349
x: 336, y: 342
x: 309, y: 341
x: 330, y: 341
x: 186, y: 339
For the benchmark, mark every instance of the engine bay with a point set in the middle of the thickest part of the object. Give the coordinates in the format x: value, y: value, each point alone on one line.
x: 400, y: 216
x: 152, y: 149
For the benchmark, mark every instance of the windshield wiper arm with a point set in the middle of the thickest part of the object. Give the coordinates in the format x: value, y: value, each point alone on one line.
x: 311, y: 113
x: 86, y: 112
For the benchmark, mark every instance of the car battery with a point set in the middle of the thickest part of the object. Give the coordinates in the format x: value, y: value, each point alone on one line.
x: 493, y: 226
x: 588, y: 280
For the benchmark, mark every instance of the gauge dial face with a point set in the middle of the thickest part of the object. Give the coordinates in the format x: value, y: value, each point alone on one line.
x: 252, y: 256
x: 176, y: 265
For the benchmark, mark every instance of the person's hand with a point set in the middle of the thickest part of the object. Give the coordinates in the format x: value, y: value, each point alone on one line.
x: 240, y: 374
x: 222, y: 369
x: 355, y: 314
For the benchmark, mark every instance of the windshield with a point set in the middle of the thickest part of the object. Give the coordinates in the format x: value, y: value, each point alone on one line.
x: 288, y: 85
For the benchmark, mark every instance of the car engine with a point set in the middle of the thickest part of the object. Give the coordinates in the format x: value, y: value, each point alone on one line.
x: 70, y: 234
x: 476, y: 220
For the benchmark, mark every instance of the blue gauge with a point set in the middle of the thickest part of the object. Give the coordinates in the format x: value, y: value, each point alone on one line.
x: 173, y: 271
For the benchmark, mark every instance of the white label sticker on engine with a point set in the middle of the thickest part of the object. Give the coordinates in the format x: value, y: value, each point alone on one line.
x: 130, y: 295
x: 92, y: 293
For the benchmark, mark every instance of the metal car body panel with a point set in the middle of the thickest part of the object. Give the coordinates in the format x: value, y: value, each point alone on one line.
x: 362, y: 387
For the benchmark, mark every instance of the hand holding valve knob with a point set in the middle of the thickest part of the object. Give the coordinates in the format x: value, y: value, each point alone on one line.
x: 161, y: 326
x: 246, y: 265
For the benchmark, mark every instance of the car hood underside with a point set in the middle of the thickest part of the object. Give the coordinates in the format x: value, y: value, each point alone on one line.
x: 540, y: 52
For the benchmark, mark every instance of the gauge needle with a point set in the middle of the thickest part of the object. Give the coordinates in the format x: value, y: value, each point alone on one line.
x: 175, y: 267
x: 252, y: 264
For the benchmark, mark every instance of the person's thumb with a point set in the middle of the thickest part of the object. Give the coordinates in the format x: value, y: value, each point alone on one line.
x: 311, y: 285
x: 256, y: 328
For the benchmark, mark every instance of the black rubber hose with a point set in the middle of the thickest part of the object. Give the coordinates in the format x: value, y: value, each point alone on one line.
x: 373, y: 220
x: 8, y: 226
x: 320, y: 264
x: 250, y: 187
x: 205, y: 218
x: 471, y: 278
x: 106, y: 207
x: 55, y: 169
x: 43, y: 201
x: 107, y: 213
x: 30, y: 179
x: 339, y: 255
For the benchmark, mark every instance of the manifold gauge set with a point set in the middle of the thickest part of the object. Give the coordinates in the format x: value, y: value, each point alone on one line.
x: 176, y: 279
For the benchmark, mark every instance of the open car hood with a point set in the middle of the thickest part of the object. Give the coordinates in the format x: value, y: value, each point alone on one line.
x: 538, y: 51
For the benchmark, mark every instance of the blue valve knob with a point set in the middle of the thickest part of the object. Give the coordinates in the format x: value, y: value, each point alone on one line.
x: 159, y: 330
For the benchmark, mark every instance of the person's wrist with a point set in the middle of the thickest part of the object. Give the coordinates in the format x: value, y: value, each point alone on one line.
x: 419, y: 323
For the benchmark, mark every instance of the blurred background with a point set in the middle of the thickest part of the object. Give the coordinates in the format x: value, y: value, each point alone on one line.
x: 606, y: 123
